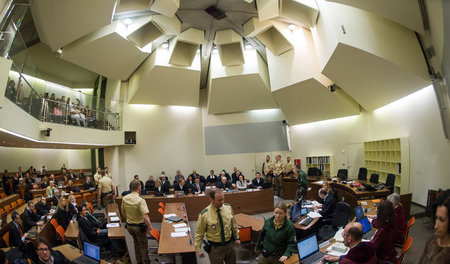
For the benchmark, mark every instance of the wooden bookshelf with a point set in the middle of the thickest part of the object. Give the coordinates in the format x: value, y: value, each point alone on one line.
x: 389, y: 156
x: 324, y: 163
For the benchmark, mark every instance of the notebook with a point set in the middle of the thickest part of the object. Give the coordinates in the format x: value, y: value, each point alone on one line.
x: 91, y: 255
x: 308, y: 250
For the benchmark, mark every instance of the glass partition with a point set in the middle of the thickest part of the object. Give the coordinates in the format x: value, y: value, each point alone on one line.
x: 47, y: 101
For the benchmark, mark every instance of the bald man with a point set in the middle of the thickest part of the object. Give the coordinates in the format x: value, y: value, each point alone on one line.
x: 360, y: 252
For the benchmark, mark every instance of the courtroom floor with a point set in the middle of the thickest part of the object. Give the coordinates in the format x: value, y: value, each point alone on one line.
x: 420, y: 232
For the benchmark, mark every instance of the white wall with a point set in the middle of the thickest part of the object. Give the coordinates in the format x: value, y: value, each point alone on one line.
x: 415, y: 116
x: 12, y: 158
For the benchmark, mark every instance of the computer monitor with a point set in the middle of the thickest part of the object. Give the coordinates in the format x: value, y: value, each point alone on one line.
x: 179, y: 193
x: 365, y: 224
x: 91, y: 251
x: 60, y: 184
x: 359, y: 212
x: 38, y: 180
x: 295, y: 211
x: 307, y: 247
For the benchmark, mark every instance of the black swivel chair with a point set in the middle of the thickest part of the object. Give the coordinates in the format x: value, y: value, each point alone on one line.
x: 362, y: 174
x: 390, y: 181
x: 342, y: 174
x: 314, y: 172
x: 340, y: 219
x: 374, y: 178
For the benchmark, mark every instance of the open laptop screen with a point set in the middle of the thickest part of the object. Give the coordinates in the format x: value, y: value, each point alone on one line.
x: 91, y: 251
x: 307, y: 246
x: 359, y: 212
x: 366, y: 224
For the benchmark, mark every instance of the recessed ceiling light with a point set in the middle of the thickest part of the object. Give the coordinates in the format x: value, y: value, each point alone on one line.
x: 248, y: 46
x: 292, y: 26
x: 127, y: 21
x: 165, y: 45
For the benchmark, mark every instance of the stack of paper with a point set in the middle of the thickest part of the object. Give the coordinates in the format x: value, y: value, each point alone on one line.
x: 112, y: 225
x: 112, y: 214
x: 182, y: 230
x: 314, y: 214
x: 169, y: 215
x: 179, y: 225
x: 178, y: 234
x: 114, y: 219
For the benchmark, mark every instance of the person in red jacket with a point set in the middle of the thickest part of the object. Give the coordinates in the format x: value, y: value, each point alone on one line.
x: 382, y: 241
x: 360, y: 252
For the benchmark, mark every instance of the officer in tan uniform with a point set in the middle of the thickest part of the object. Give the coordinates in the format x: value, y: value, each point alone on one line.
x: 278, y: 174
x: 135, y: 209
x: 106, y: 190
x: 97, y: 176
x: 218, y: 223
x: 267, y: 171
x: 289, y: 167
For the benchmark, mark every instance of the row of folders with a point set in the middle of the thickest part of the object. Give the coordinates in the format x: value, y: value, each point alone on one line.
x: 318, y: 160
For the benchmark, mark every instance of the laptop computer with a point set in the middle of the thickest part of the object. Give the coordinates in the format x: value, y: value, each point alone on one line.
x: 308, y: 250
x: 367, y: 228
x: 60, y: 184
x: 359, y: 213
x: 38, y: 180
x: 91, y: 255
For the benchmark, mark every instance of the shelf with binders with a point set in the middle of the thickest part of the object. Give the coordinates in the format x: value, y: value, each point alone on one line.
x: 324, y: 163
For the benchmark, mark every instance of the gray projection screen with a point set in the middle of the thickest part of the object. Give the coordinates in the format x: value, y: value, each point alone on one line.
x: 246, y: 138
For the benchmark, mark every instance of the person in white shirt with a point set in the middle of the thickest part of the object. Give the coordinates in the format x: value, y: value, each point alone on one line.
x: 241, y: 184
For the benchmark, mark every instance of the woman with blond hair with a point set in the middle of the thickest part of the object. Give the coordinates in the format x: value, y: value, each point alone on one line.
x: 62, y: 214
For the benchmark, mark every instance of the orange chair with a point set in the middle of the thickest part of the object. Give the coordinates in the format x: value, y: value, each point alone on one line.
x: 60, y: 231
x: 20, y: 202
x: 91, y: 208
x: 8, y: 208
x: 155, y: 234
x: 13, y: 205
x: 54, y: 223
x: 410, y: 223
x: 161, y: 211
x: 6, y: 239
x: 79, y: 199
x: 162, y: 205
x: 245, y: 234
x: 1, y: 211
x: 3, y: 195
x: 246, y: 249
x: 406, y: 246
x: 88, y: 197
x: 37, y: 195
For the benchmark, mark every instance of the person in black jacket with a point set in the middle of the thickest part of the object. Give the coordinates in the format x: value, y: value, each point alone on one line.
x: 5, y: 181
x: 165, y: 184
x: 41, y: 207
x: 29, y: 217
x: 16, y: 235
x: 56, y: 198
x: 158, y: 191
x: 198, y: 187
x: 88, y: 184
x: 212, y: 178
x: 150, y: 184
x: 45, y: 255
x: 224, y: 184
x: 181, y: 186
x: 328, y: 206
x: 257, y: 182
x: 136, y: 177
x: 95, y: 234
x: 62, y: 214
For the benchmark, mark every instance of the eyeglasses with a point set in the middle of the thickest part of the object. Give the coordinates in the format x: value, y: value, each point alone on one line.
x: 344, y: 234
x: 43, y: 249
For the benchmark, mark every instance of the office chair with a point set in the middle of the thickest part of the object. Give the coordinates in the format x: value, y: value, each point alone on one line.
x: 244, y: 254
x: 390, y: 181
x: 406, y: 246
x: 340, y: 219
x: 374, y: 178
x: 342, y: 174
x: 362, y: 174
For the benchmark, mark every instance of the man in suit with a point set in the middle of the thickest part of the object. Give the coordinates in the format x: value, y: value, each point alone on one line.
x: 165, y: 184
x: 328, y: 206
x: 94, y: 233
x: 29, y: 217
x: 16, y: 235
x: 181, y: 186
x: 257, y: 182
x: 88, y: 184
x: 56, y: 197
x: 212, y: 178
x: 41, y: 207
x: 198, y: 187
x: 224, y: 184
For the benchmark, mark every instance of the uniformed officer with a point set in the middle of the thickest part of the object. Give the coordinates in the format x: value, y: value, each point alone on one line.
x: 267, y: 171
x: 278, y: 174
x: 97, y: 176
x: 218, y: 223
x: 106, y: 190
x: 135, y: 209
x: 302, y: 183
x: 289, y: 167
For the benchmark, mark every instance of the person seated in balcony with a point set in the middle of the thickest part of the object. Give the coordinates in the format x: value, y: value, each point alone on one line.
x: 83, y: 116
x: 51, y: 103
x: 88, y: 184
x: 11, y: 90
x: 58, y: 116
x: 90, y: 117
x: 76, y: 117
x: 241, y: 184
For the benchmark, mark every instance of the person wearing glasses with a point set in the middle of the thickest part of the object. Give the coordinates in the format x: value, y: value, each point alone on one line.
x: 44, y: 255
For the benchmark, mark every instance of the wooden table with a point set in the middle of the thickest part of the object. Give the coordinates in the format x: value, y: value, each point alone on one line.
x: 114, y: 232
x: 72, y: 252
x: 8, y: 200
x: 72, y: 231
x: 176, y: 245
x: 242, y: 202
x: 290, y: 188
x: 247, y: 220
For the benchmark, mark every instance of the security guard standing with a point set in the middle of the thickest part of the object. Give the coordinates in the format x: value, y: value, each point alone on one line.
x: 278, y: 174
x: 267, y: 170
x: 135, y: 209
x: 302, y: 183
x: 106, y: 190
x: 218, y: 222
x: 289, y: 167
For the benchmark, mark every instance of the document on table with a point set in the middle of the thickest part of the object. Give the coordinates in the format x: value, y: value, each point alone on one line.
x: 169, y: 215
x: 319, y: 182
x: 182, y: 230
x: 179, y: 225
x: 112, y: 225
x: 112, y: 214
x: 314, y: 214
x: 178, y: 234
x: 170, y: 196
x: 114, y: 219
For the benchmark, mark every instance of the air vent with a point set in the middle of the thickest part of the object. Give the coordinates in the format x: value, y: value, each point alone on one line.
x: 215, y: 12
